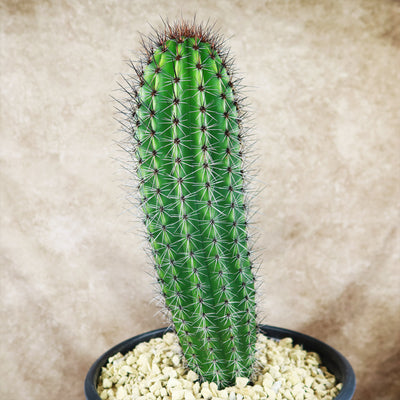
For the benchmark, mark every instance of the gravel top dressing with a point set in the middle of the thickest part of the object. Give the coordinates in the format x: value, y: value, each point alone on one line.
x: 155, y: 370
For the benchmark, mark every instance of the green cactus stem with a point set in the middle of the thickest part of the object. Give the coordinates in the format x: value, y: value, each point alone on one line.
x: 186, y: 124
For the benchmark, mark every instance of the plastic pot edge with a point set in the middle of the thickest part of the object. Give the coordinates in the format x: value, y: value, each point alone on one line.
x: 331, y: 358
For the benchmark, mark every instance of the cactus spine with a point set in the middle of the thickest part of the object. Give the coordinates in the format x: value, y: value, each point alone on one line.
x: 185, y: 121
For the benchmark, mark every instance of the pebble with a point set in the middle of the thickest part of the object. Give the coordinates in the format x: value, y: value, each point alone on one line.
x: 155, y: 371
x: 241, y: 382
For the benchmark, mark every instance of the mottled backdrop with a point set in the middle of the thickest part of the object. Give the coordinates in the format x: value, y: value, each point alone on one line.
x: 323, y: 81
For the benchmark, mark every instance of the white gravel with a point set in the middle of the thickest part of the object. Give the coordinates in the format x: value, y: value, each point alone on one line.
x: 155, y: 370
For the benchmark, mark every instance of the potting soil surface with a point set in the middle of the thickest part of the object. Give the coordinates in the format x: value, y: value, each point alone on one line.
x: 155, y: 370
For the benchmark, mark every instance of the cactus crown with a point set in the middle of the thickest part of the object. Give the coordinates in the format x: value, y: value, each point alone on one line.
x: 184, y: 117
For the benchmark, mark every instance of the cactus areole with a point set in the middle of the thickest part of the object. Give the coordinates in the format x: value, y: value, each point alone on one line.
x: 185, y: 122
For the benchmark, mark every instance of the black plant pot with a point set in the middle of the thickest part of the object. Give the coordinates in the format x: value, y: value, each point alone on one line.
x: 331, y: 358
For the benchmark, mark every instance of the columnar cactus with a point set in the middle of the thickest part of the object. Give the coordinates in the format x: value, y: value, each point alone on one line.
x: 185, y: 119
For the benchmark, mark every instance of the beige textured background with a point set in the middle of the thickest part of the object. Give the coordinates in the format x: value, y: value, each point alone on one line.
x: 323, y: 81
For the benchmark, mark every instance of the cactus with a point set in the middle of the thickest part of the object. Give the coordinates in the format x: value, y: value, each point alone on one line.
x: 185, y: 122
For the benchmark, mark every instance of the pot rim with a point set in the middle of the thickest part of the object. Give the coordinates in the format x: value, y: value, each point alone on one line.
x: 335, y: 362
